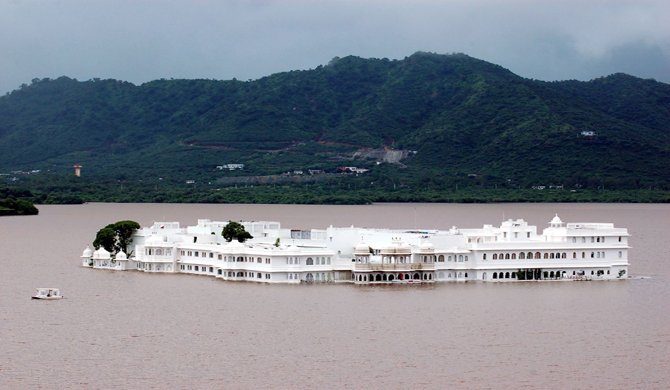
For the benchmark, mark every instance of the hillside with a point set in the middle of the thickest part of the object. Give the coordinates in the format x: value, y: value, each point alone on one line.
x: 456, y: 120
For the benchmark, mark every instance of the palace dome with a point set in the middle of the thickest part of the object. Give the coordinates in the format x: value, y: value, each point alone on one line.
x: 101, y: 254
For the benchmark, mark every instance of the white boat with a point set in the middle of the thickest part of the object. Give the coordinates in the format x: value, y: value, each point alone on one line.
x: 47, y: 293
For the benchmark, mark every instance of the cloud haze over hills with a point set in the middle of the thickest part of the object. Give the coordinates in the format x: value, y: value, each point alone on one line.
x: 145, y: 40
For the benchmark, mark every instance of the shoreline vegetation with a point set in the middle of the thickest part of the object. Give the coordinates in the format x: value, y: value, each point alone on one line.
x: 326, y: 195
x: 12, y: 206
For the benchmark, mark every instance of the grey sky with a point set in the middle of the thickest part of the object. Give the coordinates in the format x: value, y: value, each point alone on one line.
x: 142, y: 40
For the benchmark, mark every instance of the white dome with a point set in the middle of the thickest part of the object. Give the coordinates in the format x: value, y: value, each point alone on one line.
x: 87, y: 252
x: 101, y: 254
x: 556, y: 220
x: 121, y: 256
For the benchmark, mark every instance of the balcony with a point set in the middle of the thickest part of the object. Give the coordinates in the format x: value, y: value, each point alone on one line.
x: 395, y: 267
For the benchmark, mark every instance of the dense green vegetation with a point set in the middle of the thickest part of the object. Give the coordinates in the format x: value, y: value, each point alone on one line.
x: 480, y: 133
x: 116, y: 237
x: 13, y: 202
x: 235, y: 231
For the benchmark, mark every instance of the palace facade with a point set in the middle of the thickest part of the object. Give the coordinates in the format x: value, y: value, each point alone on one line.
x: 510, y: 252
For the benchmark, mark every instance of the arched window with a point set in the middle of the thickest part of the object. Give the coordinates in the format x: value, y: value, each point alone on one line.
x: 506, y: 275
x: 522, y: 256
x: 563, y: 255
x: 460, y: 258
x: 506, y: 256
x: 484, y: 256
x: 551, y: 256
x: 538, y: 255
x: 529, y: 255
x: 309, y: 261
x: 495, y: 275
x: 495, y: 256
x: 441, y: 258
x: 513, y: 256
x: 546, y: 255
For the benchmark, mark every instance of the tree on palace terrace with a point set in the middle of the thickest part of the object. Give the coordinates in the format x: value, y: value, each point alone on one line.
x: 235, y: 230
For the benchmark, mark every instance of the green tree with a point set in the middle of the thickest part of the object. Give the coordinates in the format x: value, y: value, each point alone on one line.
x: 106, y: 238
x: 124, y: 231
x: 235, y: 230
x: 116, y: 237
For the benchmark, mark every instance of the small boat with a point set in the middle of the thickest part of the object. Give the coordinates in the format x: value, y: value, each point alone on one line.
x: 47, y: 293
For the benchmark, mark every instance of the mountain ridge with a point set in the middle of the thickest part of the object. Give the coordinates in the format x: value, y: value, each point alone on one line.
x: 462, y: 116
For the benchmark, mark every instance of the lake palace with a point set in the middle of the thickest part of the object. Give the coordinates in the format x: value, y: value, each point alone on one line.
x: 513, y: 251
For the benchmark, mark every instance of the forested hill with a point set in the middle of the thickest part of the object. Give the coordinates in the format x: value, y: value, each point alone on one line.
x: 458, y: 116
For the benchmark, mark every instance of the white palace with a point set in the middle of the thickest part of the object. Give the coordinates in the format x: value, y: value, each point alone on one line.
x: 514, y: 251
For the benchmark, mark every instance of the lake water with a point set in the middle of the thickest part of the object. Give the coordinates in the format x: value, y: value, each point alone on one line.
x: 133, y: 330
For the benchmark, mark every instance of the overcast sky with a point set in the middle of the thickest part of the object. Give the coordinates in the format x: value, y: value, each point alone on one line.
x: 142, y: 40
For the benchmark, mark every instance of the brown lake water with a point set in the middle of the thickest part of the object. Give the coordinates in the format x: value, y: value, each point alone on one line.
x: 128, y: 330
